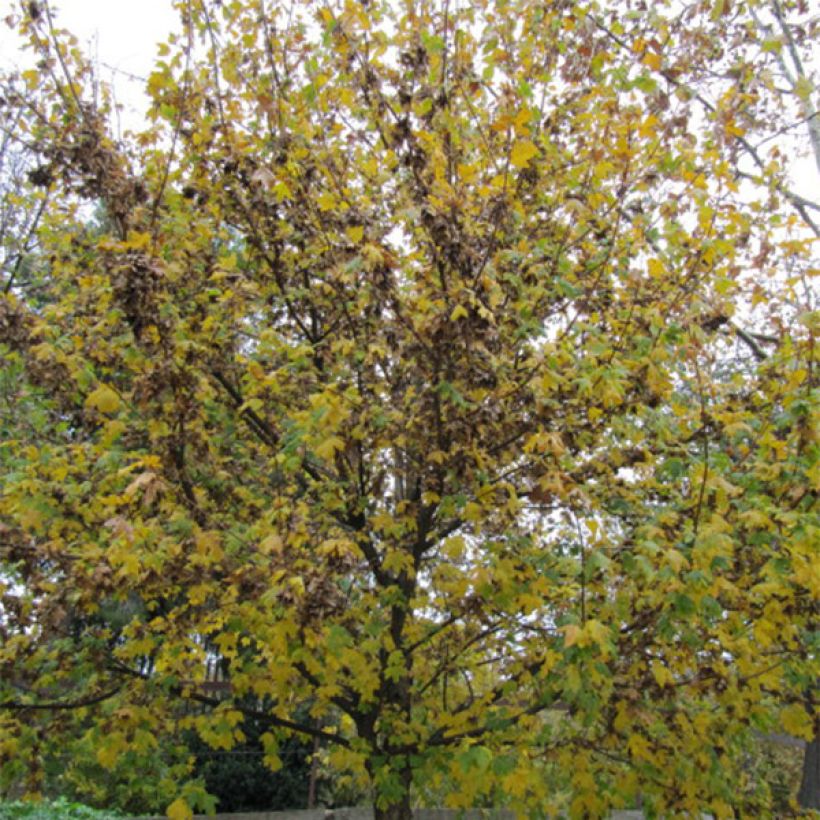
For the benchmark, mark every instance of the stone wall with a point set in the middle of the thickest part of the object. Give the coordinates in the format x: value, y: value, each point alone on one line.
x: 367, y: 814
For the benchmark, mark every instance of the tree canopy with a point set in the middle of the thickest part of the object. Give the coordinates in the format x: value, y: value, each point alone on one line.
x: 446, y: 370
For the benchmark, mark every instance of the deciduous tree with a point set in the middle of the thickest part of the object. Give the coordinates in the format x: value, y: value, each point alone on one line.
x: 447, y: 367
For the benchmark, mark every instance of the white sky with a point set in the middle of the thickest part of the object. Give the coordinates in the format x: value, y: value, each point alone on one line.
x: 119, y: 35
x: 124, y: 31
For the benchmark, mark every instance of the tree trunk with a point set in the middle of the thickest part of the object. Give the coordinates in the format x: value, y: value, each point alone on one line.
x: 395, y: 811
x: 400, y: 808
x: 314, y: 775
x: 809, y: 795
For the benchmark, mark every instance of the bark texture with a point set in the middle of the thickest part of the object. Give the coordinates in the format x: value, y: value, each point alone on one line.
x: 809, y: 795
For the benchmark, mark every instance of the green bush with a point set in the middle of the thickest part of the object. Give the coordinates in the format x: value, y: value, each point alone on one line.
x: 60, y: 809
x: 239, y: 779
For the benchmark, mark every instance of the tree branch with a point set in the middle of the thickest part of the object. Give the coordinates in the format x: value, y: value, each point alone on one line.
x: 14, y: 705
x: 256, y: 714
x: 749, y: 340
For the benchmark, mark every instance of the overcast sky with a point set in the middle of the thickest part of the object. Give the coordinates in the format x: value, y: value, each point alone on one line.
x: 125, y: 30
x: 120, y: 35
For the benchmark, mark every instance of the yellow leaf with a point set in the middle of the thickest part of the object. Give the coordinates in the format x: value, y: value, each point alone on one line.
x: 796, y: 721
x: 517, y: 782
x: 326, y: 201
x: 107, y: 755
x: 355, y: 234
x: 523, y: 116
x: 329, y: 446
x: 472, y: 511
x: 596, y: 632
x: 649, y: 126
x: 523, y: 151
x: 661, y: 674
x: 572, y: 632
x: 179, y: 810
x: 454, y: 547
x: 466, y: 172
x: 639, y: 747
x: 32, y: 78
x: 622, y: 718
x: 458, y: 312
x: 272, y: 762
x: 256, y: 370
x: 104, y: 399
x: 271, y: 545
x: 676, y: 560
x: 652, y: 60
x: 148, y: 481
x: 282, y: 190
x: 656, y: 268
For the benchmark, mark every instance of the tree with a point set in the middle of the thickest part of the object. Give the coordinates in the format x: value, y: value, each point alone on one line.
x: 448, y: 368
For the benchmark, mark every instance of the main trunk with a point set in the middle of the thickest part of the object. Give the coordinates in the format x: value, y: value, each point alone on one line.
x: 399, y: 793
x: 809, y: 795
x: 395, y: 811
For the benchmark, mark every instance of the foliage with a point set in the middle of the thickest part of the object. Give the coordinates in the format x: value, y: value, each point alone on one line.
x: 54, y: 810
x: 447, y: 367
x: 776, y: 767
x: 143, y: 780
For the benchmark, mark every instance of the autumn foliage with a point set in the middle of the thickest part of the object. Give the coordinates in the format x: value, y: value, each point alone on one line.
x: 445, y: 370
